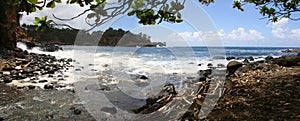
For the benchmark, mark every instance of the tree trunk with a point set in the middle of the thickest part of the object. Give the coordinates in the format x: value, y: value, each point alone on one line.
x: 10, y: 30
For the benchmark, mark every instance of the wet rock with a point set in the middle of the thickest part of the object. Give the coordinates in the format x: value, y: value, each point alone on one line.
x: 61, y: 79
x: 48, y: 86
x: 260, y: 61
x: 210, y: 65
x: 246, y: 61
x: 77, y: 69
x: 269, y: 59
x: 43, y: 81
x: 143, y: 77
x: 27, y: 71
x: 104, y: 87
x: 29, y: 44
x: 51, y: 48
x: 287, y: 61
x: 20, y: 87
x: 201, y: 79
x: 230, y: 58
x: 7, y: 80
x: 8, y: 68
x: 250, y: 58
x: 205, y: 73
x: 69, y: 60
x: 18, y: 63
x: 72, y: 108
x: 23, y: 76
x: 77, y: 111
x: 233, y: 66
x: 31, y: 87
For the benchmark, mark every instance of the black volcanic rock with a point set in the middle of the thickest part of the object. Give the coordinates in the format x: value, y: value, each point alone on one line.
x: 233, y: 66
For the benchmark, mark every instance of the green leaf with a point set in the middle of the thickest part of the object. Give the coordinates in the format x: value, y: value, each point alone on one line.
x: 178, y: 20
x: 39, y: 28
x: 33, y: 1
x: 37, y: 19
x: 48, y: 22
x: 51, y: 4
x: 131, y: 13
x: 43, y: 18
x: 99, y: 1
x: 58, y: 1
x: 33, y: 9
x: 179, y: 15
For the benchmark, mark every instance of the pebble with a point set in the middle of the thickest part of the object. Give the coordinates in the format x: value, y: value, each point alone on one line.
x: 77, y: 111
x: 209, y: 65
x: 31, y: 87
x: 6, y: 73
x: 43, y: 81
x: 7, y: 80
x: 77, y: 69
x: 48, y: 86
x: 143, y: 77
x: 18, y: 67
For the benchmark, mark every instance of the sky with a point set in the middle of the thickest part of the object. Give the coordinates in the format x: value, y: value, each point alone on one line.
x: 215, y: 25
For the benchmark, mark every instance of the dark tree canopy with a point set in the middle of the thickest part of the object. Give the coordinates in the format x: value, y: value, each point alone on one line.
x: 150, y: 12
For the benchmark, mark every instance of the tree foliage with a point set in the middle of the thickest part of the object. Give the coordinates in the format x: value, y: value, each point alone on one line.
x: 151, y: 12
x: 273, y: 9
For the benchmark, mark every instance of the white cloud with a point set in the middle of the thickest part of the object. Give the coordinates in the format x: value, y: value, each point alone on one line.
x: 280, y: 28
x: 62, y: 11
x: 295, y: 33
x: 241, y: 34
x: 236, y: 34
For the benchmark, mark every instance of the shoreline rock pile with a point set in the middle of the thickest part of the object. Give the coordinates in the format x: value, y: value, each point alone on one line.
x: 31, y: 67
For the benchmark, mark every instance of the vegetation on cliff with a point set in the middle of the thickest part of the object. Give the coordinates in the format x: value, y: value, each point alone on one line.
x: 66, y: 36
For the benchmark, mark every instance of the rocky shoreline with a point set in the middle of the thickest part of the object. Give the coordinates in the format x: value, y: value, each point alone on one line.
x: 25, y: 94
x: 267, y: 89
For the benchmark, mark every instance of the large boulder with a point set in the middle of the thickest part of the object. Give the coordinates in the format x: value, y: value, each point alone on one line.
x: 287, y: 61
x: 233, y: 66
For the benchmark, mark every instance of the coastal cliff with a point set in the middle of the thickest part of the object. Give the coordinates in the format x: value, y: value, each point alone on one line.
x: 110, y: 37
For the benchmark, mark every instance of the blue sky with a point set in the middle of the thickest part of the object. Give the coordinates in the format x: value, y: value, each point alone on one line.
x: 201, y: 25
